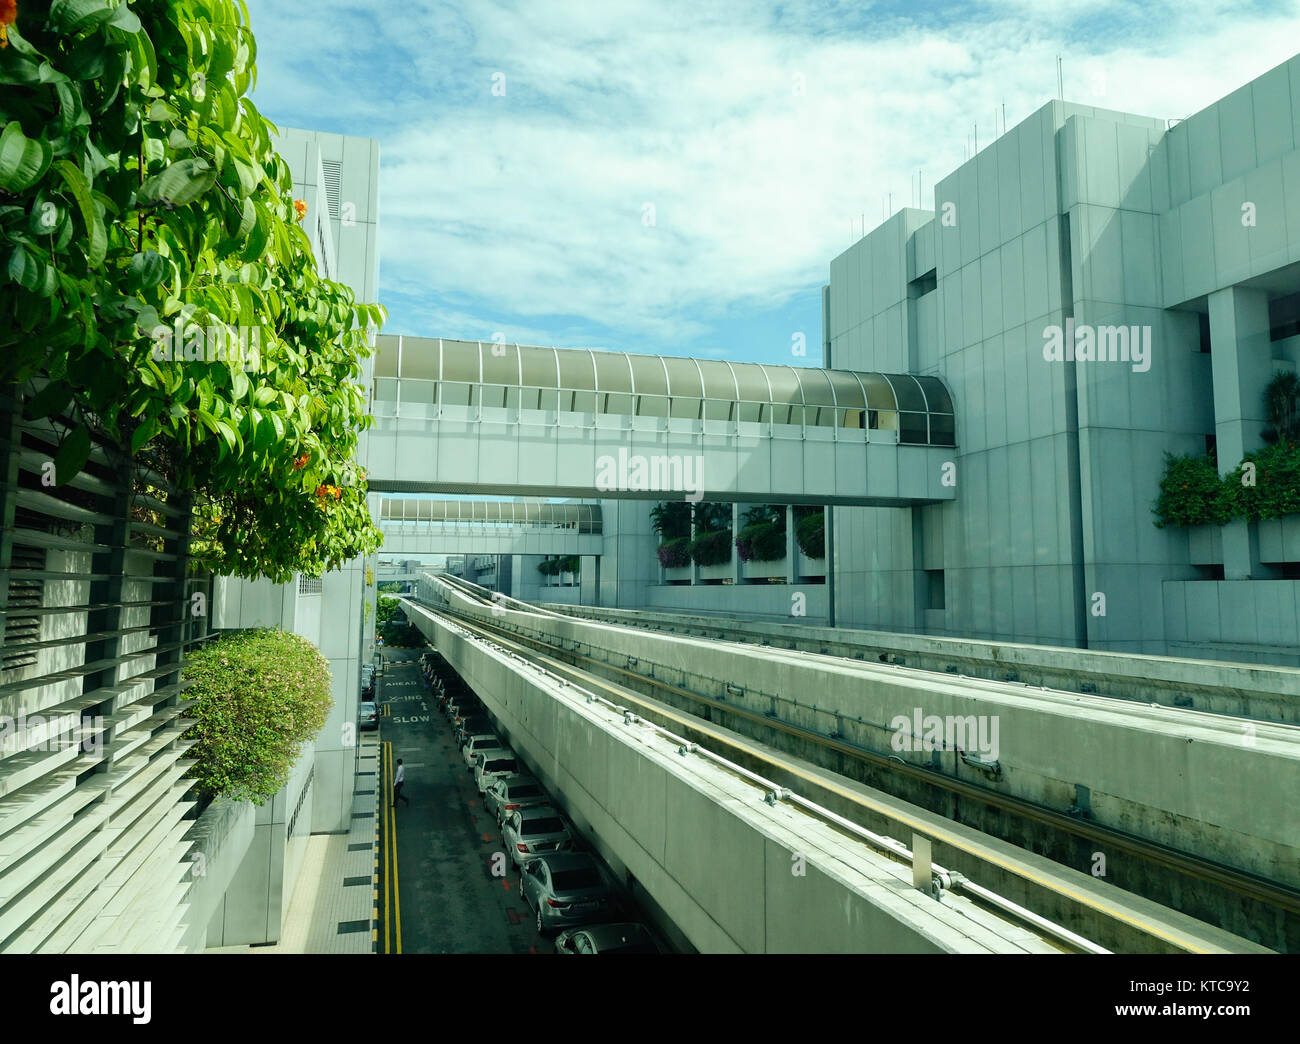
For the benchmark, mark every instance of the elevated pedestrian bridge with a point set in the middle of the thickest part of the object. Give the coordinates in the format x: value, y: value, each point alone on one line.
x: 487, y: 527
x: 516, y: 420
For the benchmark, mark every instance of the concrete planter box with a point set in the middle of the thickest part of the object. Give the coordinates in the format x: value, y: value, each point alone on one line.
x: 810, y: 566
x: 762, y: 570
x: 1279, y: 539
x: 677, y: 573
x: 1205, y: 545
x: 715, y: 572
x: 568, y: 579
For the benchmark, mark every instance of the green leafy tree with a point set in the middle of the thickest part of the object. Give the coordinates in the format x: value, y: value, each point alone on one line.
x: 161, y: 293
x: 671, y: 519
x: 259, y: 695
x: 388, y: 610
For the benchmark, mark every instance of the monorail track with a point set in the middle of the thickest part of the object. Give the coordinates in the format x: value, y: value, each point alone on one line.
x: 567, y: 663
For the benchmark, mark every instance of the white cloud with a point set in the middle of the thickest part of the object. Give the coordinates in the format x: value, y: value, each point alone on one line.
x: 531, y: 205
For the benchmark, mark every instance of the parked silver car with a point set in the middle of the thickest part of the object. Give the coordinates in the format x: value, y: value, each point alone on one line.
x: 490, y: 766
x: 368, y: 715
x: 629, y: 937
x: 529, y: 832
x: 566, y: 888
x: 481, y: 742
x: 509, y: 793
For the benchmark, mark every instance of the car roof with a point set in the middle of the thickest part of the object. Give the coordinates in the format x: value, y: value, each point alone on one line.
x: 567, y: 860
x: 628, y: 932
x: 538, y: 812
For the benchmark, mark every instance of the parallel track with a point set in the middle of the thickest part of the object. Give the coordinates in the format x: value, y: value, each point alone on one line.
x: 1230, y: 879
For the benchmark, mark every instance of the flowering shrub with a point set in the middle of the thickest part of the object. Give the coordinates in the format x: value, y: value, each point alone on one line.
x: 1191, y: 493
x: 673, y: 554
x: 259, y: 696
x: 1275, y: 490
x: 147, y: 225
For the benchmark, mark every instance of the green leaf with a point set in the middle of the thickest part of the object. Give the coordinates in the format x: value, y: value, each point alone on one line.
x: 23, y: 269
x: 97, y: 246
x: 52, y: 399
x: 23, y: 160
x: 76, y: 16
x: 181, y: 183
x: 72, y: 455
x: 144, y: 433
x: 145, y: 271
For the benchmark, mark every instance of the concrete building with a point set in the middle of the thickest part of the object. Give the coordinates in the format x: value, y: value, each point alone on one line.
x: 1187, y: 235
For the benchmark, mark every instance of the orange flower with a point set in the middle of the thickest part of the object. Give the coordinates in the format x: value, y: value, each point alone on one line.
x: 300, y: 462
x: 8, y: 15
x: 300, y: 208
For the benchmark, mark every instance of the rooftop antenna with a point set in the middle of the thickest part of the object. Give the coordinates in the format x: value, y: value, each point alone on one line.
x: 1060, y: 81
x: 1004, y: 117
x: 976, y: 129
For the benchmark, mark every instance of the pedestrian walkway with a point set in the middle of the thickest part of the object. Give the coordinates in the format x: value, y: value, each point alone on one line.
x: 332, y: 908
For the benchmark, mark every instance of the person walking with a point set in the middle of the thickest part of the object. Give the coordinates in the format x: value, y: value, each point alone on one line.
x: 399, y: 781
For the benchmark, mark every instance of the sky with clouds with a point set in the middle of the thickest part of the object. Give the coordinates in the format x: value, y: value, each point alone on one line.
x: 675, y: 177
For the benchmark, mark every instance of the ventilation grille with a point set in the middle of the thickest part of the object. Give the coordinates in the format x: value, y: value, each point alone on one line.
x: 333, y: 171
x: 309, y: 585
x: 23, y: 630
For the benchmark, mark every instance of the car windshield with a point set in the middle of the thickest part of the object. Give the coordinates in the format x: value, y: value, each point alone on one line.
x: 541, y: 826
x: 568, y: 880
x: 499, y: 765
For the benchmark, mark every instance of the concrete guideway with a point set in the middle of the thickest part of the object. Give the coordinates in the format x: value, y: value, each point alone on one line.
x: 1193, y: 736
x: 735, y: 874
x: 1253, y: 691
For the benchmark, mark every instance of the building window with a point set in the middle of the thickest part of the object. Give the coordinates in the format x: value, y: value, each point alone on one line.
x: 924, y: 284
x: 1204, y: 318
x: 935, y: 586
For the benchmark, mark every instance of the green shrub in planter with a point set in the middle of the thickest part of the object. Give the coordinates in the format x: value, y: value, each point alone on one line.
x: 259, y: 696
x: 1191, y: 493
x: 810, y: 534
x: 761, y: 542
x: 1271, y: 489
x: 712, y: 548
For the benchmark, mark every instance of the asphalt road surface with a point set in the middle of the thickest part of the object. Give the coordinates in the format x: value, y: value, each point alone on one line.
x: 447, y: 899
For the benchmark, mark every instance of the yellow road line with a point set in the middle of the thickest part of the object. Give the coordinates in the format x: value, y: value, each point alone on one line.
x: 397, y: 892
x: 383, y: 797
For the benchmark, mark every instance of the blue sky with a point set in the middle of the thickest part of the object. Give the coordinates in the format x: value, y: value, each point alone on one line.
x: 523, y: 144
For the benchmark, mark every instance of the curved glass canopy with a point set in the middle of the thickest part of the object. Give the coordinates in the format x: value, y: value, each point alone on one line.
x: 585, y: 518
x: 581, y: 380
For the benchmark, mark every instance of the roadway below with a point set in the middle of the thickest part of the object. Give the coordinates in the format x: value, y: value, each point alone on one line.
x: 442, y: 897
